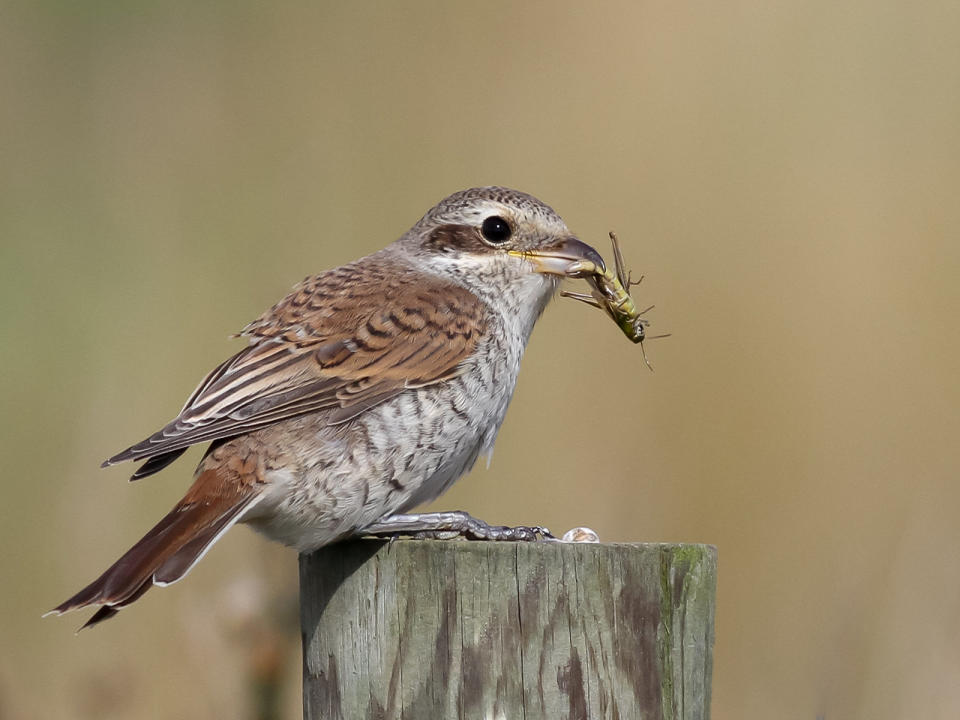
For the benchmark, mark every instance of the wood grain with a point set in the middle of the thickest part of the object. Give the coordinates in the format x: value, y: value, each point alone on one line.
x: 428, y: 629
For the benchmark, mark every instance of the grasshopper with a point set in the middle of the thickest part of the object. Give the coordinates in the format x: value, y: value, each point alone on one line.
x: 611, y: 293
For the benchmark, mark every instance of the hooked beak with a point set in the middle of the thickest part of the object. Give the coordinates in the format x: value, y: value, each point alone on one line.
x: 570, y: 258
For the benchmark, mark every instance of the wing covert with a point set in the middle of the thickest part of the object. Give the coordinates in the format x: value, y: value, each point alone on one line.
x: 344, y: 351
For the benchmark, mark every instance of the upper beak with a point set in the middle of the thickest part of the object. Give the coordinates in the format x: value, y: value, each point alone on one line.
x: 570, y: 257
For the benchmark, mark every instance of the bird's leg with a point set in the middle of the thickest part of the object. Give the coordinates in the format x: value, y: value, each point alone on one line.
x: 450, y: 525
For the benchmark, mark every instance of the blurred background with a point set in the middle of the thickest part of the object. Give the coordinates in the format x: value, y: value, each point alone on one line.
x: 785, y: 174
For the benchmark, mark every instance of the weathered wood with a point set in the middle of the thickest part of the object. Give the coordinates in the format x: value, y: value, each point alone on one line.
x: 515, y: 631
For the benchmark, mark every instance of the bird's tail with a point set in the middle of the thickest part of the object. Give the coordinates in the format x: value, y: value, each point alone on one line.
x: 165, y: 554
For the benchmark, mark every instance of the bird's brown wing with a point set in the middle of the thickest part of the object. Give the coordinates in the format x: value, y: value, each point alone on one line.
x: 342, y: 342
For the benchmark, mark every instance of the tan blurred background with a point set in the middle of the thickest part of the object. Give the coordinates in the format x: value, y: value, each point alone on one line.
x: 786, y: 174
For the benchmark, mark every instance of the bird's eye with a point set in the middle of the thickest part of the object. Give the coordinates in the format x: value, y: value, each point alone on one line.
x: 496, y: 230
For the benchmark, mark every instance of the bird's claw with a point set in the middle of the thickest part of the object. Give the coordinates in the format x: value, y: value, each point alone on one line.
x: 452, y: 525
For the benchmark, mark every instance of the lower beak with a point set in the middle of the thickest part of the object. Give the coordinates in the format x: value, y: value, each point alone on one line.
x: 569, y: 258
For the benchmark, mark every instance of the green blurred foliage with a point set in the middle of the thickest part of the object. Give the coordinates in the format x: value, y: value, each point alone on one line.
x: 786, y: 174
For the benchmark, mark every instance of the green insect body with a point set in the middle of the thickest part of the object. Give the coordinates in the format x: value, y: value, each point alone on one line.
x: 610, y: 291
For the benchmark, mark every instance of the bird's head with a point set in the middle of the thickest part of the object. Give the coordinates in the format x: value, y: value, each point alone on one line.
x: 499, y: 239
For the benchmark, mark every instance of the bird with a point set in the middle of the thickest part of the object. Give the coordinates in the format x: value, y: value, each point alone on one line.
x: 364, y: 393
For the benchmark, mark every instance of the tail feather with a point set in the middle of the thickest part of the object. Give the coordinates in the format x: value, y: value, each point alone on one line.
x: 162, y: 556
x: 156, y: 463
x: 182, y: 561
x: 105, y: 612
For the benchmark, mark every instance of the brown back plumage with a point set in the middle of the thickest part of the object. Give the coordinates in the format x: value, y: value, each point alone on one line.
x: 343, y: 341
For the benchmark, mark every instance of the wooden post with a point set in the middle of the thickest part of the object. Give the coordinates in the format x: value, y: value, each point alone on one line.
x: 430, y: 630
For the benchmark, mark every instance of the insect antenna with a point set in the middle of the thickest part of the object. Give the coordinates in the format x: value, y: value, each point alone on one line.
x: 644, y: 352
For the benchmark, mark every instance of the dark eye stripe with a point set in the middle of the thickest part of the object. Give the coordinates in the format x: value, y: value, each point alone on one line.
x: 456, y: 237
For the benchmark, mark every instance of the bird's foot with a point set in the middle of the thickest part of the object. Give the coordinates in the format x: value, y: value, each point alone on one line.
x: 451, y: 525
